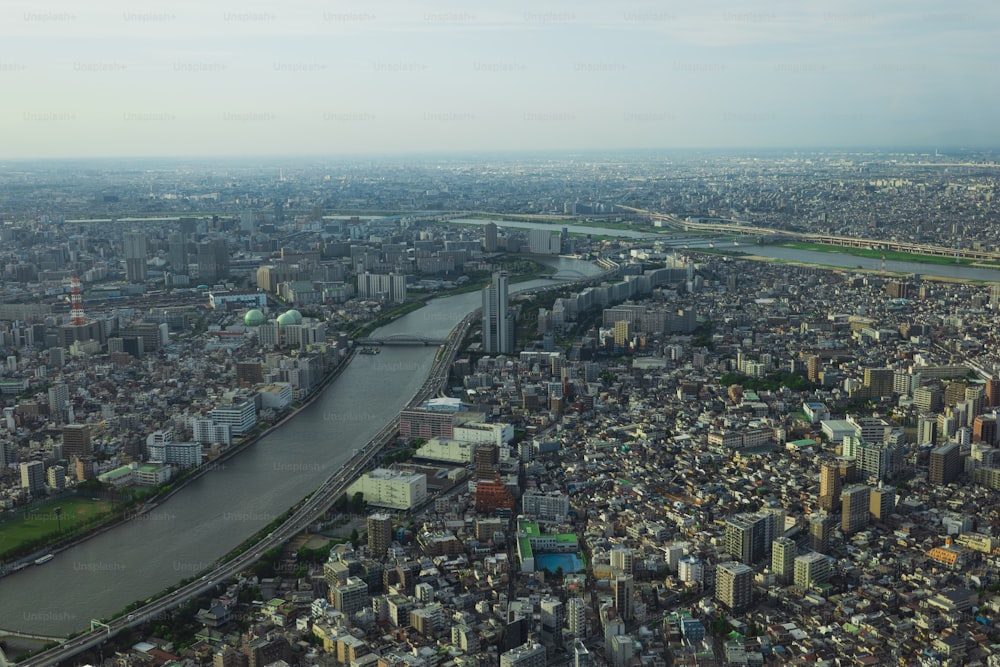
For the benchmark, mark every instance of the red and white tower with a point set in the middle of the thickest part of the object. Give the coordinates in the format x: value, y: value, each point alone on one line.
x: 76, y: 302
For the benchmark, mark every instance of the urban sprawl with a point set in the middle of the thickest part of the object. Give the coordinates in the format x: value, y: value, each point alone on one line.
x: 686, y: 454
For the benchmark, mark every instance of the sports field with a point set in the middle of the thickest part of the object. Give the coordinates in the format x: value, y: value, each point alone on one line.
x: 41, y: 522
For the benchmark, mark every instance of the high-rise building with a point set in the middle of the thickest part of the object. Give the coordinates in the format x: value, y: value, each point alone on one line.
x: 783, y: 552
x: 622, y: 559
x: 623, y: 332
x: 56, y: 478
x: 812, y: 568
x: 814, y: 365
x: 880, y: 460
x: 879, y: 381
x: 544, y: 242
x: 622, y: 587
x: 854, y: 508
x: 213, y: 260
x: 954, y: 392
x: 379, y: 534
x: 928, y: 398
x: 820, y: 530
x: 553, y: 618
x: 945, y: 464
x: 350, y: 597
x: 135, y: 257
x: 926, y: 428
x: 749, y: 536
x: 76, y: 440
x: 734, y: 585
x: 58, y: 400
x: 390, y: 287
x: 33, y: 477
x: 829, y: 485
x: 486, y: 459
x: 490, y: 238
x: 992, y: 393
x: 882, y: 502
x: 498, y: 320
x: 576, y: 617
x: 984, y: 429
x: 177, y: 253
x: 581, y: 657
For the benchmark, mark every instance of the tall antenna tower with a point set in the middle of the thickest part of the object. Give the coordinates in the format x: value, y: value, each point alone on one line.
x: 76, y: 302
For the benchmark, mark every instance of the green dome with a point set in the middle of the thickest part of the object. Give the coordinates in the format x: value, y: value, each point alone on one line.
x: 253, y: 318
x: 289, y: 317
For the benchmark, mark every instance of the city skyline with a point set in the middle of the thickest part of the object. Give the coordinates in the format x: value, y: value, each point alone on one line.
x: 230, y: 79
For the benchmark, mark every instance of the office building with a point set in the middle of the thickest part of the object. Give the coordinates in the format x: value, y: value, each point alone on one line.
x: 734, y: 585
x: 379, y: 535
x: 240, y: 417
x: 393, y: 489
x: 33, y: 477
x: 854, y: 508
x: 812, y: 568
x: 136, y: 252
x: 498, y: 320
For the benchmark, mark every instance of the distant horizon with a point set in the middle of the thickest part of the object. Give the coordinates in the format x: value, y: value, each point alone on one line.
x: 734, y: 151
x: 387, y: 77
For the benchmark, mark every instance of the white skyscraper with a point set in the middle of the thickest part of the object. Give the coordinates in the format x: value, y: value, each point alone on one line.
x: 498, y: 323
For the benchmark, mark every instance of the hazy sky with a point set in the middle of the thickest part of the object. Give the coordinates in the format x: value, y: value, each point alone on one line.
x: 220, y: 77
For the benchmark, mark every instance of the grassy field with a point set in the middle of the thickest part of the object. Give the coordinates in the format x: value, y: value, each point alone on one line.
x: 40, y: 522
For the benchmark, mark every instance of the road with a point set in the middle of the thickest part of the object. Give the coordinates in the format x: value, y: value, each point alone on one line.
x: 305, y: 514
x: 734, y: 227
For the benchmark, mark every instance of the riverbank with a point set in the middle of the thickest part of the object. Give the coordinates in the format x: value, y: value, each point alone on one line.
x: 117, y: 519
x: 893, y: 255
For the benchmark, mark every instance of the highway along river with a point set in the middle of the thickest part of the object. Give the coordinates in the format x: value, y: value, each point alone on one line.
x: 220, y: 510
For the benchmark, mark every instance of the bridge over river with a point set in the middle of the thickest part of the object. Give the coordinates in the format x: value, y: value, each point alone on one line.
x: 400, y: 339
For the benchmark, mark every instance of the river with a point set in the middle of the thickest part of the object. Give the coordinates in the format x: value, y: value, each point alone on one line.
x: 223, y: 508
x: 683, y: 241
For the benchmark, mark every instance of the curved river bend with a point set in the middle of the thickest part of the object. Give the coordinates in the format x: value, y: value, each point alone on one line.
x: 220, y: 510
